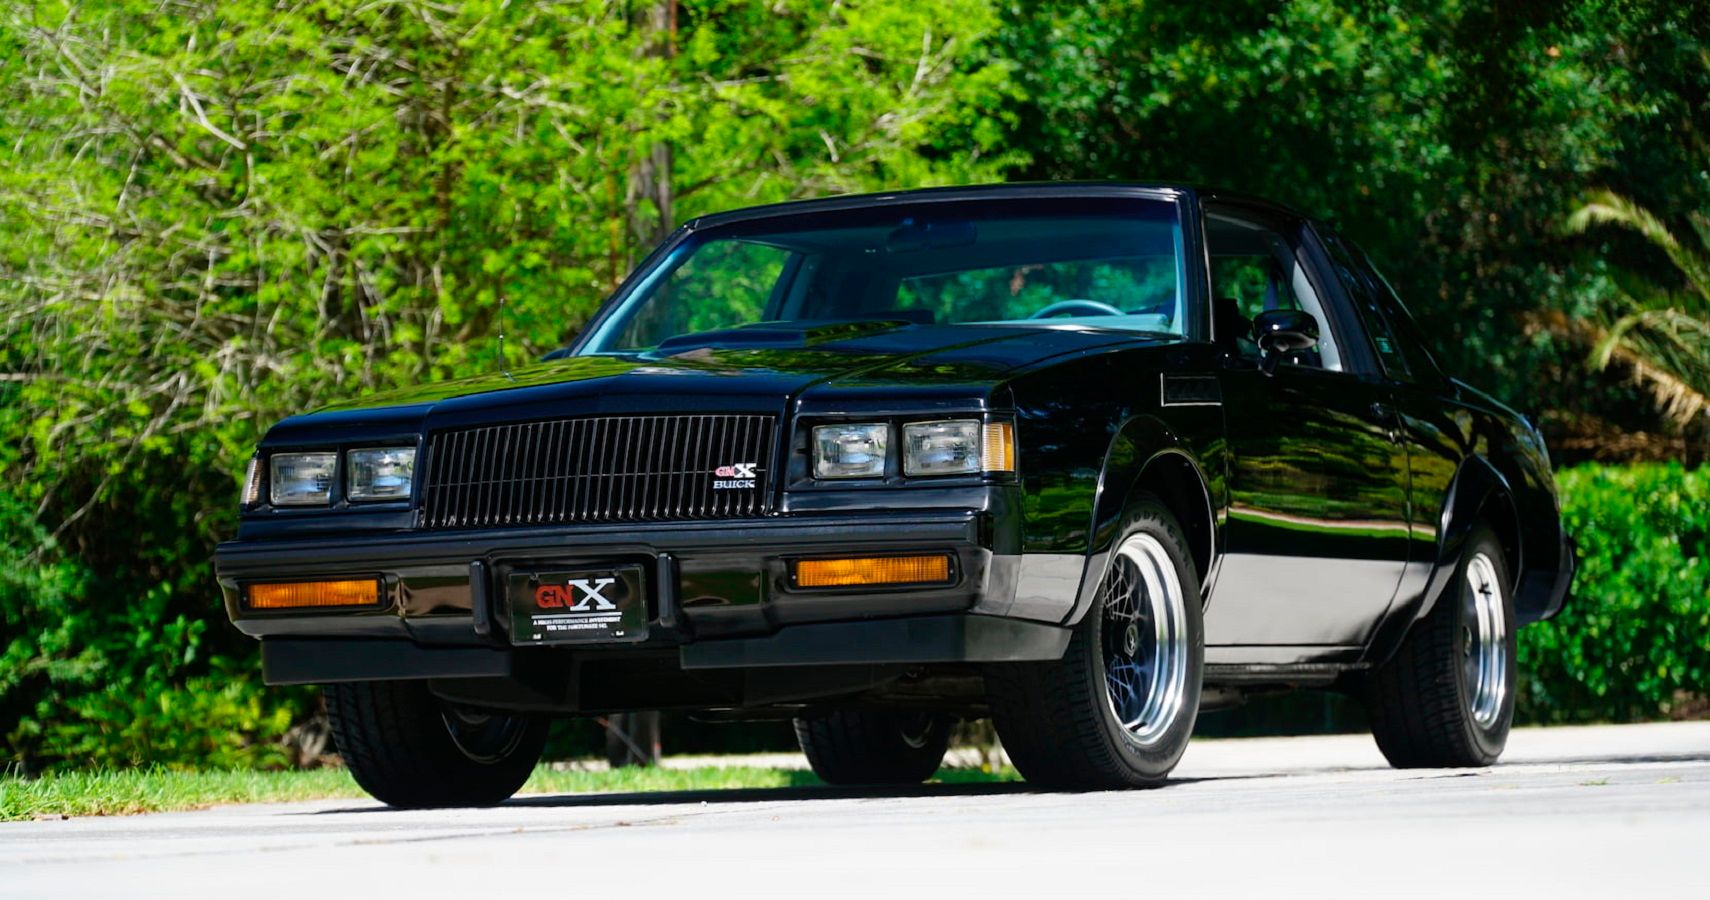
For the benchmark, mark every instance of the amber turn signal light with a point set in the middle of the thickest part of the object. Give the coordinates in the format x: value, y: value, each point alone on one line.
x: 998, y: 447
x: 306, y: 594
x: 873, y: 570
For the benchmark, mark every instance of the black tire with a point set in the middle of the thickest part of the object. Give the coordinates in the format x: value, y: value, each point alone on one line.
x: 409, y: 749
x: 1423, y: 703
x: 855, y: 747
x: 1057, y: 719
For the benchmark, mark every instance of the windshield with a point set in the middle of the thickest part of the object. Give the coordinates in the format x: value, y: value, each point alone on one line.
x: 1114, y: 263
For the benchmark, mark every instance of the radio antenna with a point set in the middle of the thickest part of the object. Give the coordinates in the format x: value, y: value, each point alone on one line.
x: 503, y: 369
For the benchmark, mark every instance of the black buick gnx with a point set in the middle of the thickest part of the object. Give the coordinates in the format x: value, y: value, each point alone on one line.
x: 1084, y: 458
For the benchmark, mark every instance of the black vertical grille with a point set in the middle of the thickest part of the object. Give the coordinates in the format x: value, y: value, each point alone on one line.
x: 602, y: 469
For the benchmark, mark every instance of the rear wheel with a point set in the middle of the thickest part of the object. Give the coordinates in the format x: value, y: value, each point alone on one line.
x: 859, y: 747
x: 1117, y: 710
x: 1447, y: 697
x: 408, y: 748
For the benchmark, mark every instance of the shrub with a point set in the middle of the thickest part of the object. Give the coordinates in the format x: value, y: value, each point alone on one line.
x: 1634, y: 640
x: 96, y: 673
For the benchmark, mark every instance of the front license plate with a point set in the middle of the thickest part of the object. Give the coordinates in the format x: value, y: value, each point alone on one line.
x: 578, y: 606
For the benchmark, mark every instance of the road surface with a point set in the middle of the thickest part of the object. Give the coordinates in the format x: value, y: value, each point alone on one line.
x: 1607, y: 812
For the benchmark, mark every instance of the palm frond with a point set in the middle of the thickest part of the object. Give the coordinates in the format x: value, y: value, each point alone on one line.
x: 1701, y: 227
x: 1661, y: 337
x: 1677, y: 399
x: 1605, y: 207
x: 1608, y: 341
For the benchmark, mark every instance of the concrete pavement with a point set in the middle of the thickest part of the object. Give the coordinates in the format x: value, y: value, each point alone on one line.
x: 1608, y: 812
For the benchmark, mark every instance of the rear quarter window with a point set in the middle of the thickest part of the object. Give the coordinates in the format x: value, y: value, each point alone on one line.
x: 1386, y: 322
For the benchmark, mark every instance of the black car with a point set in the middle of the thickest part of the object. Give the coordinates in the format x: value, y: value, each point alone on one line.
x: 1087, y: 459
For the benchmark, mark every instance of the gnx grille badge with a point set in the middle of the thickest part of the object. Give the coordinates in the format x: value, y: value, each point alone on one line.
x: 736, y: 476
x: 579, y: 595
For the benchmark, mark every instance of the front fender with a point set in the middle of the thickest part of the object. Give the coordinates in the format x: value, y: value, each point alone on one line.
x: 1138, y: 441
x: 1145, y: 454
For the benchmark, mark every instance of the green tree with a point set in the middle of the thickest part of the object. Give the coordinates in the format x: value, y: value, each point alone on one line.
x: 220, y: 214
x: 1449, y: 139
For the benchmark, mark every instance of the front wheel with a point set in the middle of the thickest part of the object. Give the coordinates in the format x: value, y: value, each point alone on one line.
x: 1447, y: 697
x: 1117, y: 710
x: 407, y: 748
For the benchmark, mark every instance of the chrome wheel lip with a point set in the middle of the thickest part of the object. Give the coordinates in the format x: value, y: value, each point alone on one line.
x: 1145, y: 687
x: 1484, y: 641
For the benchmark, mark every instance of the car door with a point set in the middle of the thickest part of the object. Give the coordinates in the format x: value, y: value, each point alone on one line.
x: 1316, y: 536
x: 1431, y: 428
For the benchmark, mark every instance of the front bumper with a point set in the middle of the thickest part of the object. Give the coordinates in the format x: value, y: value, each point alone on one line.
x: 912, y: 641
x: 719, y: 596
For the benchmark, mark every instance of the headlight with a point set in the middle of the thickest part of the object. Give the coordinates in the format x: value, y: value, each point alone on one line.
x: 941, y: 448
x: 383, y: 473
x: 302, y: 479
x: 849, y: 451
x: 958, y: 447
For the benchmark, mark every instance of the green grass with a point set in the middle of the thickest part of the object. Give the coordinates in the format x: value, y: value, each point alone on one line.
x: 126, y: 791
x: 129, y: 791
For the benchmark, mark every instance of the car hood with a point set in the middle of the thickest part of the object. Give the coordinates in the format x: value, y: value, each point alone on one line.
x: 761, y: 368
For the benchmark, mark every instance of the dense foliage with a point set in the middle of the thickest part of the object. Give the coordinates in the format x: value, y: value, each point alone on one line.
x: 220, y: 213
x: 1631, y: 643
x: 1451, y: 139
x: 215, y: 214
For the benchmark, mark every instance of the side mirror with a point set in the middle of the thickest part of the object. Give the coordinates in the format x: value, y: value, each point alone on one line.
x: 1283, y: 331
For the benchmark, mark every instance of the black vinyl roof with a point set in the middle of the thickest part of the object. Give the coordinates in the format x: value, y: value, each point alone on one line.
x: 1016, y: 191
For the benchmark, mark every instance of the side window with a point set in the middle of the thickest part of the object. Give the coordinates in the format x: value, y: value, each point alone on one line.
x: 1412, y: 340
x: 1399, y: 343
x: 1363, y: 294
x: 724, y: 284
x: 1256, y: 267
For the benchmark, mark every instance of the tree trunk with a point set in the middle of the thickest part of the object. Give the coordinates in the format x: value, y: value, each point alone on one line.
x: 632, y: 739
x: 650, y: 178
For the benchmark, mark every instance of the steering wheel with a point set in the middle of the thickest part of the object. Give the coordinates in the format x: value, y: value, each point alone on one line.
x: 1077, y: 308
